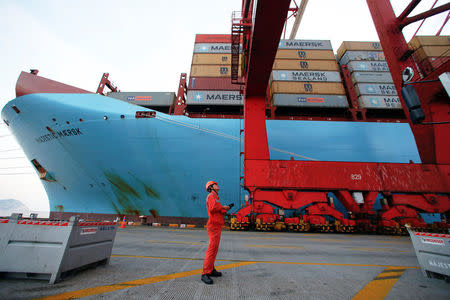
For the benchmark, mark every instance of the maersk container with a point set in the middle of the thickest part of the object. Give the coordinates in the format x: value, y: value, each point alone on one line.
x: 305, y: 44
x: 380, y: 102
x: 214, y: 48
x: 304, y: 54
x: 295, y: 64
x: 305, y: 100
x: 212, y: 83
x: 361, y: 55
x: 374, y: 66
x: 358, y: 46
x: 212, y: 71
x: 372, y: 77
x: 375, y: 89
x: 432, y: 40
x: 431, y: 51
x: 212, y: 59
x: 213, y: 38
x: 300, y: 75
x: 145, y: 98
x: 197, y: 97
x: 289, y: 87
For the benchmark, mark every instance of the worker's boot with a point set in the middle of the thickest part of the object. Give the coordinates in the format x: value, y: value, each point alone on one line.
x: 206, y: 279
x: 215, y: 273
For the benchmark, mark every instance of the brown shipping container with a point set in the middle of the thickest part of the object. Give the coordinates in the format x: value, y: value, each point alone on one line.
x: 304, y: 54
x: 212, y: 71
x: 420, y: 41
x: 431, y: 63
x: 293, y: 64
x: 212, y: 59
x: 358, y: 46
x: 289, y: 87
x: 212, y: 83
x: 212, y: 38
x: 431, y: 51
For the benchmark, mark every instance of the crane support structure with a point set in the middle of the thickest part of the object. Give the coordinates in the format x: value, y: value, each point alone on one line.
x: 310, y: 187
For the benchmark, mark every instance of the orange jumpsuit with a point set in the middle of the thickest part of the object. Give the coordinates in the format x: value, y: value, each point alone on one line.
x: 214, y: 228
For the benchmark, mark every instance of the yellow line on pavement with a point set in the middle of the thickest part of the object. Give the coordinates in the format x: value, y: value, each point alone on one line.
x: 273, y: 246
x: 138, y: 282
x: 174, y: 242
x: 380, y: 286
x: 271, y: 262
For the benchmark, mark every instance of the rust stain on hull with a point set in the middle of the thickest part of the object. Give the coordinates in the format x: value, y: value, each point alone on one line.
x: 127, y: 196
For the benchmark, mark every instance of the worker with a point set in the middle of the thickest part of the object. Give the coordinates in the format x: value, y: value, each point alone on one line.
x: 216, y: 212
x: 281, y: 214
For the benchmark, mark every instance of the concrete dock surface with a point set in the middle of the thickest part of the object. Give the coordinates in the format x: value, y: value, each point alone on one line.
x: 165, y: 263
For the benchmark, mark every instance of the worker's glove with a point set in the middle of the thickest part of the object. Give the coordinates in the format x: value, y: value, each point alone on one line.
x: 230, y: 205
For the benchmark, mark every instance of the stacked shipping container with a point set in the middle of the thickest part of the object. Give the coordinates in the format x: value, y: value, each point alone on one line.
x: 305, y: 74
x: 210, y: 77
x: 370, y: 74
x: 430, y: 51
x: 155, y: 100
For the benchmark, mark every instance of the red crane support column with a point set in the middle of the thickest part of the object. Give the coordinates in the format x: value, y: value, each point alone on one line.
x: 433, y: 146
x: 267, y: 28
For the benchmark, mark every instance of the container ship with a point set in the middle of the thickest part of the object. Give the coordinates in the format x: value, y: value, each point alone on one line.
x: 148, y: 154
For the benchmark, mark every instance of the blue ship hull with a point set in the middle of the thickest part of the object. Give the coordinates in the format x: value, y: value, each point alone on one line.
x: 101, y: 159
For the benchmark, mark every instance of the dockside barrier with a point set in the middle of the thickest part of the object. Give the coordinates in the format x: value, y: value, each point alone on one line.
x: 433, y: 253
x: 47, y: 249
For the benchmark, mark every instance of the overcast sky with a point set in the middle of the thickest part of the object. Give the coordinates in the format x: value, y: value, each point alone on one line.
x: 144, y: 45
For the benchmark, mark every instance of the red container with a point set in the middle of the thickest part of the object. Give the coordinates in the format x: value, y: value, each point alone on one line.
x: 212, y: 83
x: 212, y: 38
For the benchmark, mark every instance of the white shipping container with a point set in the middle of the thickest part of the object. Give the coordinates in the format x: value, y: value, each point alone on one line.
x: 212, y: 97
x: 377, y: 66
x: 214, y: 48
x: 297, y: 75
x: 372, y: 77
x: 305, y: 44
x: 375, y: 89
x: 361, y: 55
x: 380, y: 102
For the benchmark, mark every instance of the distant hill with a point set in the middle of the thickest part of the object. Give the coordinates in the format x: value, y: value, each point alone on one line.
x: 8, y: 206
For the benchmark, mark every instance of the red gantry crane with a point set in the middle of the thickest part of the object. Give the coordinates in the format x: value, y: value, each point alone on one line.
x: 406, y: 189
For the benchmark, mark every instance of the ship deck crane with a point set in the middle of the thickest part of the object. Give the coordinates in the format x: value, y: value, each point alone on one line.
x: 407, y: 189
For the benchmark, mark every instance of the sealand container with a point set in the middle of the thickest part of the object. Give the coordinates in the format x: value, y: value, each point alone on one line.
x: 212, y: 83
x: 431, y: 40
x: 212, y: 71
x: 289, y: 87
x: 305, y: 44
x: 358, y: 46
x: 293, y: 64
x: 304, y: 54
x: 384, y: 89
x: 361, y: 55
x: 145, y: 98
x: 212, y: 59
x: 431, y: 51
x: 377, y: 66
x: 305, y: 100
x: 198, y: 97
x: 300, y: 75
x: 214, y: 48
x: 213, y: 38
x: 372, y: 77
x: 380, y: 102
